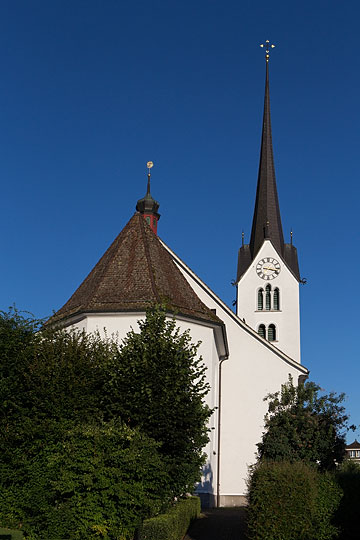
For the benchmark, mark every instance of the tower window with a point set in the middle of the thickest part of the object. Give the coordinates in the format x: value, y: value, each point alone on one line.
x: 268, y: 297
x: 276, y: 299
x: 260, y: 299
x: 271, y: 332
x: 261, y: 330
x: 148, y: 220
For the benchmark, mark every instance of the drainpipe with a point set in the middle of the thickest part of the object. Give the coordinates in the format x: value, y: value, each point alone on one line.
x: 219, y: 439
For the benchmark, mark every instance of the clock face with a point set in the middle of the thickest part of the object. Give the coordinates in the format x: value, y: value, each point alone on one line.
x: 268, y: 268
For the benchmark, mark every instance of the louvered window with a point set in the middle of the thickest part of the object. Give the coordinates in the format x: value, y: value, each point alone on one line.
x: 272, y: 332
x: 261, y: 330
x: 260, y: 299
x: 268, y: 297
x: 276, y: 299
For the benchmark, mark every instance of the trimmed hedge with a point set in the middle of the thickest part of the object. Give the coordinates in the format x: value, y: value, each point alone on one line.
x: 11, y: 533
x: 174, y: 524
x: 347, y: 516
x: 292, y: 501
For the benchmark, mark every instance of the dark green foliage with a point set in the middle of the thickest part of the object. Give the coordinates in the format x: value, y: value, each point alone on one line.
x: 161, y: 388
x: 291, y: 501
x: 89, y: 481
x: 174, y: 524
x: 347, y: 516
x: 10, y: 534
x: 303, y: 425
x: 79, y: 461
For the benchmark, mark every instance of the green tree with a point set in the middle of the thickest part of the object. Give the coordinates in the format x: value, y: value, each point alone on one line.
x: 157, y: 383
x: 302, y: 424
x: 96, y: 436
x: 66, y: 470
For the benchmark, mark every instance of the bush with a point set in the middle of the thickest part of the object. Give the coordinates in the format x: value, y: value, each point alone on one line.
x: 11, y: 534
x: 302, y: 424
x: 91, y: 433
x: 347, y: 515
x: 174, y: 524
x: 291, y: 501
x: 90, y: 481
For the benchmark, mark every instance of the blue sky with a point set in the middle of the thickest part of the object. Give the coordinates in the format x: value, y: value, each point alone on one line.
x: 90, y: 91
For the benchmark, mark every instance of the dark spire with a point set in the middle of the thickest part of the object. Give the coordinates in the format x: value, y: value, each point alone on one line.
x: 266, y: 220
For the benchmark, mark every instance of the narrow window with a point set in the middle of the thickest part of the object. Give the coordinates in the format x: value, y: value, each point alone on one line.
x: 276, y: 299
x: 148, y: 220
x: 272, y: 332
x: 268, y: 297
x: 260, y: 299
x: 261, y: 330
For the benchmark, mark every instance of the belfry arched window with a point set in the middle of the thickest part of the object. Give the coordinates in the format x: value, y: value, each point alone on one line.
x: 268, y: 297
x: 260, y: 299
x: 261, y: 330
x: 271, y: 332
x: 276, y: 299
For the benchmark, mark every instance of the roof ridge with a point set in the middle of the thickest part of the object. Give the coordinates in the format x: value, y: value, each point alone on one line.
x: 284, y: 356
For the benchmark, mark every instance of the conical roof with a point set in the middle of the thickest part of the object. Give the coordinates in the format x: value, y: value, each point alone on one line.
x: 134, y: 273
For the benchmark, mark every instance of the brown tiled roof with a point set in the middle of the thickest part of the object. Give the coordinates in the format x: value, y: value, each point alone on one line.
x: 134, y: 273
x: 355, y: 445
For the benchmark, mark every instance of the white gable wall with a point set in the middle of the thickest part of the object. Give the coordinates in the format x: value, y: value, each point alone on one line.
x: 254, y: 368
x: 287, y: 319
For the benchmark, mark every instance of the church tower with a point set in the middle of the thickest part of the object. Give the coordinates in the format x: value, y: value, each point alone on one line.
x: 268, y: 272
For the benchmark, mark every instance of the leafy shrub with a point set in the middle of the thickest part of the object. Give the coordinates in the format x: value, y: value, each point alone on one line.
x: 174, y: 524
x: 11, y: 534
x: 347, y: 515
x: 94, y: 481
x: 291, y: 501
x: 302, y: 424
x: 91, y: 432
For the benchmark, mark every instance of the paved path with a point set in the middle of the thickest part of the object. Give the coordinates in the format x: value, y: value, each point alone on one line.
x: 219, y: 524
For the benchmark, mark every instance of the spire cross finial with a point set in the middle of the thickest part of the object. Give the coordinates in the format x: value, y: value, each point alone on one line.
x: 267, y: 49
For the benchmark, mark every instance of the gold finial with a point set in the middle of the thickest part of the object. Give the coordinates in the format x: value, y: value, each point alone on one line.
x: 149, y: 166
x: 242, y: 237
x: 291, y: 236
x: 267, y: 49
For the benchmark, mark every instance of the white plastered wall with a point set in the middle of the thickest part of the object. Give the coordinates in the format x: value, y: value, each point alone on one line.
x: 254, y: 369
x: 287, y: 319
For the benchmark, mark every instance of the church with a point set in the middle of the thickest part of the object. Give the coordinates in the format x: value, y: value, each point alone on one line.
x: 248, y: 353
